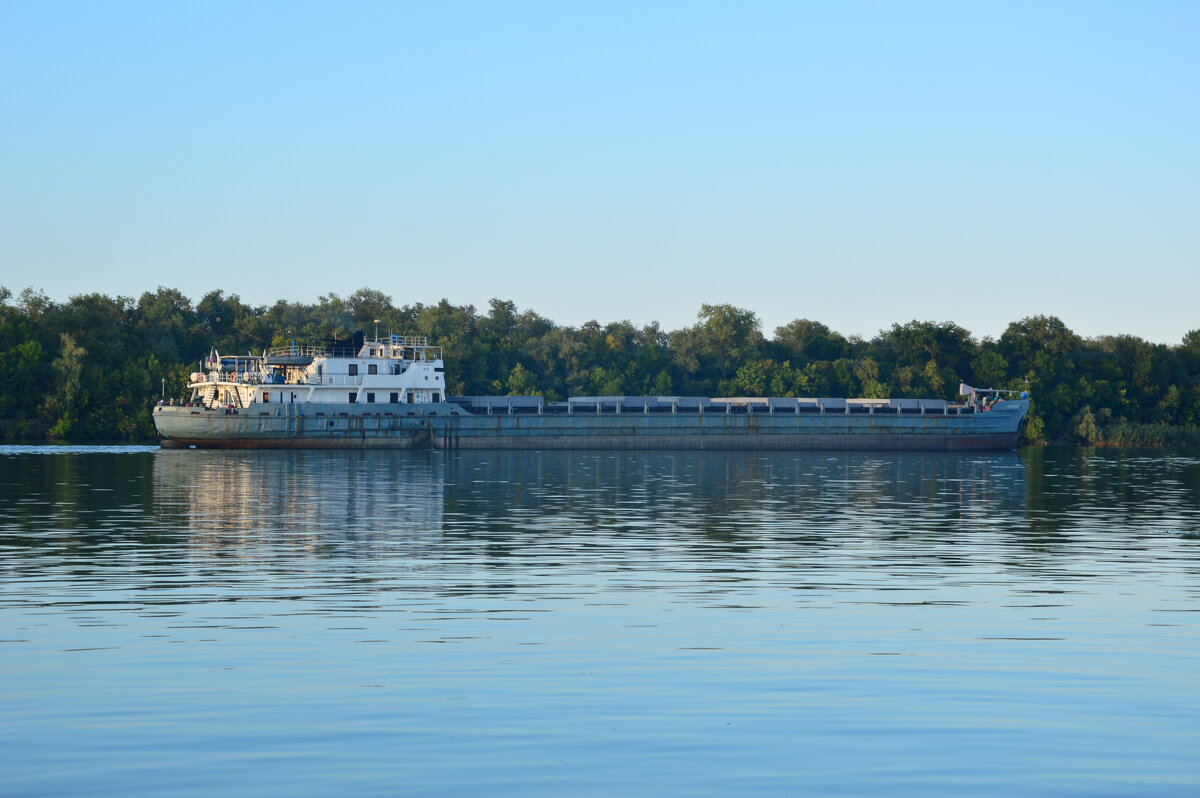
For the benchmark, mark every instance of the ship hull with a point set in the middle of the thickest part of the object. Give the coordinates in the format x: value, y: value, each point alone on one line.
x: 444, y: 426
x: 743, y: 442
x: 289, y: 427
x: 716, y: 431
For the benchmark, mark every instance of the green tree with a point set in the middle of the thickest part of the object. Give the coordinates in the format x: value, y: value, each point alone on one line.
x: 366, y: 305
x: 803, y: 340
x: 752, y: 378
x: 945, y: 344
x: 989, y: 369
x: 522, y: 382
x: 1024, y: 340
x: 1085, y: 426
x: 164, y: 323
x: 68, y: 369
x: 867, y: 372
x: 712, y: 351
x: 23, y: 386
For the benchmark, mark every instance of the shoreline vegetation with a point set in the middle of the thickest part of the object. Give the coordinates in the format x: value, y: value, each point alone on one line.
x: 88, y: 370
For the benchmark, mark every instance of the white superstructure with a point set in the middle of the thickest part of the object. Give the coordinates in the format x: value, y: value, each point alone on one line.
x: 398, y: 369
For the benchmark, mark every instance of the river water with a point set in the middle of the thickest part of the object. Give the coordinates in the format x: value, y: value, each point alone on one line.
x: 586, y: 623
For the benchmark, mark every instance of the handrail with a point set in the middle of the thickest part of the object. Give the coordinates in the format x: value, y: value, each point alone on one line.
x: 297, y: 351
x: 405, y: 350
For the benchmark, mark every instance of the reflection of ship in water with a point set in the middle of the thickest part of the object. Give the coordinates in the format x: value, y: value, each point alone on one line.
x: 362, y: 503
x: 728, y: 495
x: 318, y: 502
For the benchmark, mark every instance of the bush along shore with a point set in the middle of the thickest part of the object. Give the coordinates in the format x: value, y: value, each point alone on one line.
x: 89, y: 369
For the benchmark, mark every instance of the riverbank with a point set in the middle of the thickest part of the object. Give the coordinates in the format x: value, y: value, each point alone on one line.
x: 1148, y: 435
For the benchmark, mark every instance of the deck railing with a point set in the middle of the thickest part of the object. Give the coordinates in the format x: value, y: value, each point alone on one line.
x: 298, y: 350
x: 404, y: 350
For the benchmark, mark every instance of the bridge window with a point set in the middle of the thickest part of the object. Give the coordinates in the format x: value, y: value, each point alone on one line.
x: 372, y: 369
x: 353, y: 369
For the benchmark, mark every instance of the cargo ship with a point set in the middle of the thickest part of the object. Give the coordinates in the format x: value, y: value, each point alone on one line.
x: 390, y: 393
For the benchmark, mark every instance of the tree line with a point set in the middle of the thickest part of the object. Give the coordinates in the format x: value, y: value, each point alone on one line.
x: 89, y: 369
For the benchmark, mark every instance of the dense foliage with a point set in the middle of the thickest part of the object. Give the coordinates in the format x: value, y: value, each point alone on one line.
x: 90, y: 368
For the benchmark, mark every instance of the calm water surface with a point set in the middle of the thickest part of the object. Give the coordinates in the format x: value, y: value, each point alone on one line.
x: 311, y: 623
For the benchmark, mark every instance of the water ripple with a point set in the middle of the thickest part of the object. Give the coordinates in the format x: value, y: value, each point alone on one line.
x: 541, y: 622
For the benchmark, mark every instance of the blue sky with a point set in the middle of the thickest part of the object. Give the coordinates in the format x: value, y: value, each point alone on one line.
x: 856, y: 163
